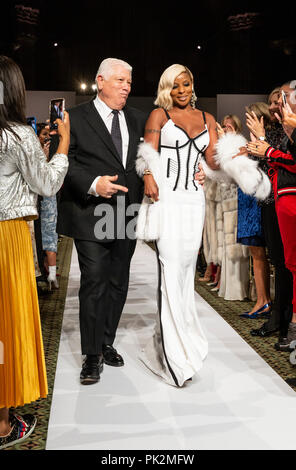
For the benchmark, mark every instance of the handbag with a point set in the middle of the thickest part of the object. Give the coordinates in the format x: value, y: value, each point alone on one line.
x: 148, y: 222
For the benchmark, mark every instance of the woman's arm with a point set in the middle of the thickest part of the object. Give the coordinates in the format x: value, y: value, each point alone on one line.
x: 211, y: 150
x: 152, y: 136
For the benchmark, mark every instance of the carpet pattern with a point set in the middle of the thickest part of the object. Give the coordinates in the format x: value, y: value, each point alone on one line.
x: 51, y: 311
x: 230, y: 311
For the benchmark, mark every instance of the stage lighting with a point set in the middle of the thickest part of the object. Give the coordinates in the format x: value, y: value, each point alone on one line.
x: 83, y: 86
x: 94, y: 86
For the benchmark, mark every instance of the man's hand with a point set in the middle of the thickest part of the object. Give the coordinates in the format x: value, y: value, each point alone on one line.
x: 254, y: 125
x: 200, y: 176
x: 106, y: 188
x: 257, y: 148
x: 151, y: 188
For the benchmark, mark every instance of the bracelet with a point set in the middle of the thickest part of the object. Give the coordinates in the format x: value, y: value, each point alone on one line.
x: 147, y: 172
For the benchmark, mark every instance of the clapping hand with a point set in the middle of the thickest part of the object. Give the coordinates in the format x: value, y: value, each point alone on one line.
x: 287, y: 119
x: 219, y: 129
x: 255, y: 126
x: 257, y: 148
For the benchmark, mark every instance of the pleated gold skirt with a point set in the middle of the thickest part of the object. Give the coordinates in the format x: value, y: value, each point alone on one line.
x: 22, y: 365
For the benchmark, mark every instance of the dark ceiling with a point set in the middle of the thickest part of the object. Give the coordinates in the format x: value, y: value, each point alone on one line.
x: 234, y: 56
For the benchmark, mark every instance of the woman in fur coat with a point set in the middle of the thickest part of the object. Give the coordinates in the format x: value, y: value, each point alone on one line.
x: 176, y: 136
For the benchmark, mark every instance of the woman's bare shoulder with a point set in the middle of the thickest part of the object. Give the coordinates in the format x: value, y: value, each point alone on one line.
x: 157, y: 117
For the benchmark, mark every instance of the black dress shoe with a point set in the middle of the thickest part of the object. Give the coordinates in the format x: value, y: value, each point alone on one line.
x: 92, y: 367
x: 111, y: 356
x: 263, y: 331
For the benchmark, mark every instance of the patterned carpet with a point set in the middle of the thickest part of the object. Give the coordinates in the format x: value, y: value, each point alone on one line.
x: 51, y: 310
x: 230, y: 311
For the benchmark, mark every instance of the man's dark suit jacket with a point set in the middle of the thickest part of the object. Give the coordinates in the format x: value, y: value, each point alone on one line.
x: 91, y: 154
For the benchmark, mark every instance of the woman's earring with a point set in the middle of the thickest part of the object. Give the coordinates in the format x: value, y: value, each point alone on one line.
x: 193, y: 100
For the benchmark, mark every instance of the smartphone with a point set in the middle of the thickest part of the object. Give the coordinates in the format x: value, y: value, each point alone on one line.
x: 31, y: 121
x: 56, y: 111
x: 284, y: 98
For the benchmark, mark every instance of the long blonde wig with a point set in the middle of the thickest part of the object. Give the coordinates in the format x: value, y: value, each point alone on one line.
x: 166, y: 83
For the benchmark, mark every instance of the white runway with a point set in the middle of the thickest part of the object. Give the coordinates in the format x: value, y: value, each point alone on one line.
x: 237, y: 401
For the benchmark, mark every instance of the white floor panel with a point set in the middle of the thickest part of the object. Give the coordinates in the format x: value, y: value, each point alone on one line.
x: 236, y: 402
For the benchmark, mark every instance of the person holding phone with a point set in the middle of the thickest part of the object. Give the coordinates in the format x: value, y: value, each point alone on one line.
x: 24, y: 173
x: 283, y: 165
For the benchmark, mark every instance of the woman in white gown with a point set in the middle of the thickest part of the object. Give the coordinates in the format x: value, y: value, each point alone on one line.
x: 177, y: 135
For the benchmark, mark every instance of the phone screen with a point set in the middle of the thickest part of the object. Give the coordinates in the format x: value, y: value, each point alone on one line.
x: 56, y: 111
x: 284, y: 98
x: 31, y: 121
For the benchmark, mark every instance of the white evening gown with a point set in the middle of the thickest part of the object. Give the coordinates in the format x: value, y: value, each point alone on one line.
x: 178, y: 347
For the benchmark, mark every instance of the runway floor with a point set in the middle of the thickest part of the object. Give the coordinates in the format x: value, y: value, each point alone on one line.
x: 236, y: 402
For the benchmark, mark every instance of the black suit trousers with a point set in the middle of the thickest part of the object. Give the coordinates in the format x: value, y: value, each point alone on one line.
x: 104, y: 282
x: 282, y: 305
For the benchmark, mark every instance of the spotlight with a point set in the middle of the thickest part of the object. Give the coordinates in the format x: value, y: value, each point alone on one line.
x: 199, y: 47
x: 83, y: 86
x: 55, y: 44
x: 94, y: 86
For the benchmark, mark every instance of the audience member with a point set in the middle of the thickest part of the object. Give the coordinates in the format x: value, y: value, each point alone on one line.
x: 24, y: 173
x: 250, y: 233
x: 283, y: 162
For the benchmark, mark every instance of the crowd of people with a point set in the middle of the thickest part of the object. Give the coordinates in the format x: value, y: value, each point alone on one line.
x: 257, y: 225
x: 184, y: 171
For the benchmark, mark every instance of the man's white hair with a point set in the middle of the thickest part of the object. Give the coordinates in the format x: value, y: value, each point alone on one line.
x: 107, y: 66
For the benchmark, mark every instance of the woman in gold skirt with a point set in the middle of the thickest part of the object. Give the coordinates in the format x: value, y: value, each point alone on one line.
x: 24, y: 173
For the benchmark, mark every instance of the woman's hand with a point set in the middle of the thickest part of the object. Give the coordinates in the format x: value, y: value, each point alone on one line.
x: 46, y: 148
x: 200, y: 176
x: 219, y: 129
x: 151, y: 188
x: 288, y: 118
x: 242, y: 151
x: 257, y: 148
x: 254, y: 125
x: 63, y: 131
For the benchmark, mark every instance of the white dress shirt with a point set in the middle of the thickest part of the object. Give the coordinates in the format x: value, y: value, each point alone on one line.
x: 106, y: 114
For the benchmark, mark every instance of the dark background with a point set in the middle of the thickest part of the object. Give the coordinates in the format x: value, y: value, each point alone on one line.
x: 239, y: 55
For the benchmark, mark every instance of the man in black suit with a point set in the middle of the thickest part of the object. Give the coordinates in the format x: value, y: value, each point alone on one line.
x: 101, y: 183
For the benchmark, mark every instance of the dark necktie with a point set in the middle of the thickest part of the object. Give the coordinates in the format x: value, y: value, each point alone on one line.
x: 115, y: 133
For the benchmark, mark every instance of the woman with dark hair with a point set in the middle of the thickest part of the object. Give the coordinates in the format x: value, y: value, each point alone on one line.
x: 48, y: 218
x: 24, y: 173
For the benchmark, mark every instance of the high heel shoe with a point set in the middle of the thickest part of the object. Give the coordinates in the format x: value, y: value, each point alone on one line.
x: 52, y: 277
x: 257, y: 313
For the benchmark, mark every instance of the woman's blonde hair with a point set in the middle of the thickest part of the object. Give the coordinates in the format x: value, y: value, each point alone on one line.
x: 275, y: 91
x: 166, y: 83
x: 237, y: 124
x: 260, y: 109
